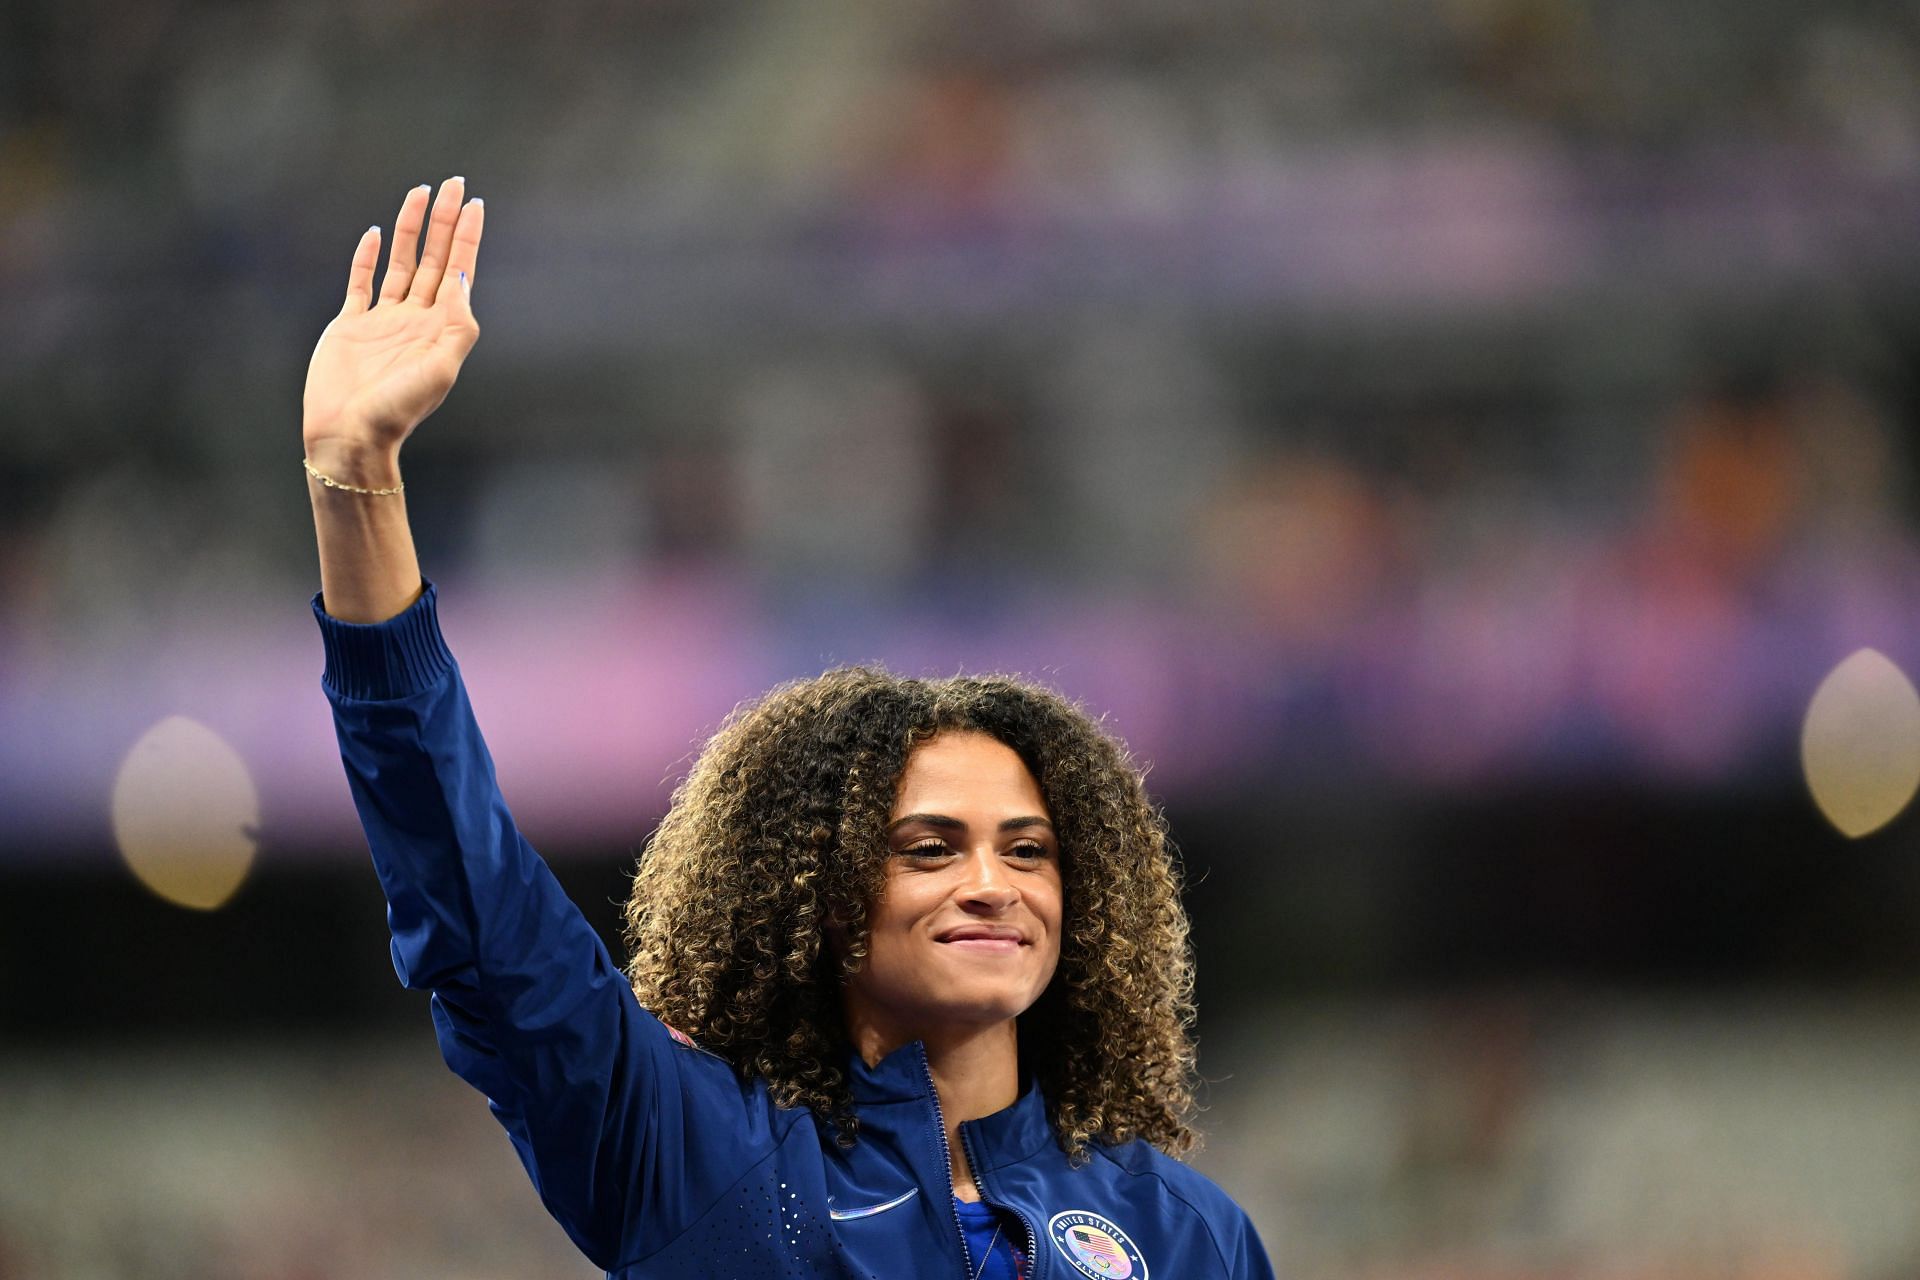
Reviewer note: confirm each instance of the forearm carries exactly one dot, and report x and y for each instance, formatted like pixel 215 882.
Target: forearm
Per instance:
pixel 368 569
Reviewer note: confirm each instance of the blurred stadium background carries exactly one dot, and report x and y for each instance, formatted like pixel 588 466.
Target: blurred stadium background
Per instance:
pixel 1452 442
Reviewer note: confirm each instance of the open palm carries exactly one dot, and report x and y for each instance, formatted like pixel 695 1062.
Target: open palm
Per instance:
pixel 383 365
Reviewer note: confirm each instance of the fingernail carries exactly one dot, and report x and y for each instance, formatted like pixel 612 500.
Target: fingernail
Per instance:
pixel 477 200
pixel 466 283
pixel 457 178
pixel 425 186
pixel 375 228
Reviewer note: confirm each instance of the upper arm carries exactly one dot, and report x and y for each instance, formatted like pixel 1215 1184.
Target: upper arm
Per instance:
pixel 1249 1261
pixel 626 1133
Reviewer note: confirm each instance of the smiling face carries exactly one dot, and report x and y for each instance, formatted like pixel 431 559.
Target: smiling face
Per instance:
pixel 966 931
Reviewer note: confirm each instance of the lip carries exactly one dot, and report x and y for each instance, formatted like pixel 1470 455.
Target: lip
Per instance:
pixel 985 937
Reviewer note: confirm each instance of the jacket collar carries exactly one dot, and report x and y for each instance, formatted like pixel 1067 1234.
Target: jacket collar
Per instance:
pixel 1007 1136
pixel 901 1076
pixel 1012 1134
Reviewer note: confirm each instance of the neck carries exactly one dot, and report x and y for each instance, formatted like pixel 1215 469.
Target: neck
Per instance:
pixel 976 1072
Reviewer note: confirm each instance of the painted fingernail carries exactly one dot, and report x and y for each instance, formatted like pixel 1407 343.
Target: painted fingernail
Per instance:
pixel 477 200
pixel 375 228
pixel 457 178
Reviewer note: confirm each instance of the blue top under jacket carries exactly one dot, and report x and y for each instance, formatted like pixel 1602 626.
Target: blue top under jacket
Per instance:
pixel 654 1155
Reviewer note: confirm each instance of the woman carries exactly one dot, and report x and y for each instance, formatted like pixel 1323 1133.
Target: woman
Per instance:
pixel 922 940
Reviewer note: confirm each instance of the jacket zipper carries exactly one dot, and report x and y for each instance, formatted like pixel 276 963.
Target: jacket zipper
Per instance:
pixel 946 1164
pixel 980 1177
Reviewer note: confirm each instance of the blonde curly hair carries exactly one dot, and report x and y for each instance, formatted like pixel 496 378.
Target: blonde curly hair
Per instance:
pixel 781 827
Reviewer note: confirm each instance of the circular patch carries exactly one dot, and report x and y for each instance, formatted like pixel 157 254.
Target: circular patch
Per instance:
pixel 1096 1247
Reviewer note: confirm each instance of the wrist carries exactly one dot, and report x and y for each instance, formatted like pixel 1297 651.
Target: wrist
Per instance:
pixel 366 466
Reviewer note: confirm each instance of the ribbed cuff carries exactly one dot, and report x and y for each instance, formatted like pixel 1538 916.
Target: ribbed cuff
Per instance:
pixel 379 661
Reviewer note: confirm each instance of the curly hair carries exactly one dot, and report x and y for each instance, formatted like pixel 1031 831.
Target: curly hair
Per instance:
pixel 781 828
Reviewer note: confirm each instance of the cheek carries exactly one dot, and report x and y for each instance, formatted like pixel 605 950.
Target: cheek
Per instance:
pixel 896 909
pixel 1050 903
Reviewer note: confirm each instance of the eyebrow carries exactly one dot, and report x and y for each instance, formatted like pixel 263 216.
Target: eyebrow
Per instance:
pixel 945 823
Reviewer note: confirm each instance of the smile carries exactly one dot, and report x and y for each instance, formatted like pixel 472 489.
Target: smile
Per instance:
pixel 989 938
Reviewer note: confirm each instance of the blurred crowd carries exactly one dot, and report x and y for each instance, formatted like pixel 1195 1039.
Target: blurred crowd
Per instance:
pixel 1511 380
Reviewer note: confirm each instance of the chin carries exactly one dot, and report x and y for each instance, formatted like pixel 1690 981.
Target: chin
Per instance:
pixel 983 1009
pixel 946 994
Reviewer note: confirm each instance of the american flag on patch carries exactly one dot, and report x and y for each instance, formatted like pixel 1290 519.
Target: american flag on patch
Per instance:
pixel 1100 1251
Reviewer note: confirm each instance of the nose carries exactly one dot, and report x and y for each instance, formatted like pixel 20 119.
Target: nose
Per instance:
pixel 987 888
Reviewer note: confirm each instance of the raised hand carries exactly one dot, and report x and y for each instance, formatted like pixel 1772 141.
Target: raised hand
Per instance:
pixel 383 365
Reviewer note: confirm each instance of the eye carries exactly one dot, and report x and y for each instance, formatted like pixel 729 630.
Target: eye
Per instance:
pixel 1029 851
pixel 930 848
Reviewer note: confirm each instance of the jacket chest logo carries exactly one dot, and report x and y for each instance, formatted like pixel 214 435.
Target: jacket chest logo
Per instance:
pixel 1095 1246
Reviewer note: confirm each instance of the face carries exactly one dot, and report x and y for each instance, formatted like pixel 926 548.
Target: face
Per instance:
pixel 966 932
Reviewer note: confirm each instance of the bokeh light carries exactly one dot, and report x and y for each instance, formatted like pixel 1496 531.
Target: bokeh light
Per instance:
pixel 1861 743
pixel 185 810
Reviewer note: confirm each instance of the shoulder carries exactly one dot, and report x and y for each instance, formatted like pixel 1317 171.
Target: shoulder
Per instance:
pixel 1182 1186
pixel 1143 1160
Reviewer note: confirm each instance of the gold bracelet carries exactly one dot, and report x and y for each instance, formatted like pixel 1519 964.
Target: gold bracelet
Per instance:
pixel 331 483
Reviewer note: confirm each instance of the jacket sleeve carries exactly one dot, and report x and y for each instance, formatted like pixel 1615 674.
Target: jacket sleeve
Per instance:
pixel 626 1132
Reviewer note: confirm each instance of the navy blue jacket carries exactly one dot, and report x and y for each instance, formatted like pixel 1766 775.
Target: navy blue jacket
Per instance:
pixel 653 1154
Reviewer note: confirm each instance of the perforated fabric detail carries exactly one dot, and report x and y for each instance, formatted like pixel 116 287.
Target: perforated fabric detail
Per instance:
pixel 762 1229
